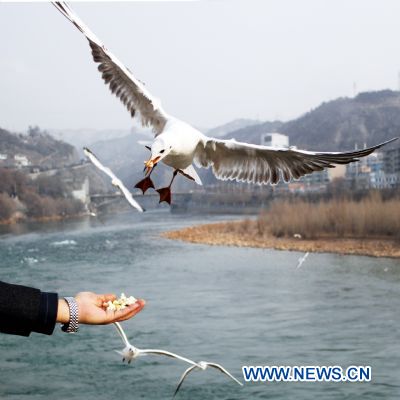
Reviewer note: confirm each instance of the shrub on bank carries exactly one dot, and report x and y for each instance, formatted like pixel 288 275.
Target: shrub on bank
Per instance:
pixel 369 217
pixel 7 206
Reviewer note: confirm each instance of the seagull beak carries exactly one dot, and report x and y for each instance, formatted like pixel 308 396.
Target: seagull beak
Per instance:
pixel 151 163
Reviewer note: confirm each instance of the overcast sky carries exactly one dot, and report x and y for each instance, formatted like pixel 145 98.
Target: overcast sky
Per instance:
pixel 209 61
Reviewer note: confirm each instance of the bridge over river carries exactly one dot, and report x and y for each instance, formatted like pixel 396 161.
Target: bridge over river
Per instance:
pixel 197 201
pixel 110 201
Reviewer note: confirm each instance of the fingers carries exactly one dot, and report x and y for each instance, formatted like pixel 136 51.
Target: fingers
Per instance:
pixel 128 312
pixel 108 297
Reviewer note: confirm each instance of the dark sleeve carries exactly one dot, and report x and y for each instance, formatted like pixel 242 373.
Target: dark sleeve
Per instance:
pixel 24 310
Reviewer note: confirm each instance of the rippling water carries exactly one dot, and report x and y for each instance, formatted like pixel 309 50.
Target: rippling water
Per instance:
pixel 236 306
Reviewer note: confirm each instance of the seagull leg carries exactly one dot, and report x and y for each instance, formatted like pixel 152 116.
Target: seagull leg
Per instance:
pixel 146 183
pixel 165 193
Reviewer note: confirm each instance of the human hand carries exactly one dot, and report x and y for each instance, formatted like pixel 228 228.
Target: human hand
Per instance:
pixel 91 310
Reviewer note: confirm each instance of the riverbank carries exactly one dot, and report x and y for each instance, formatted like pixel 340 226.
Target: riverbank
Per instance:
pixel 52 218
pixel 234 234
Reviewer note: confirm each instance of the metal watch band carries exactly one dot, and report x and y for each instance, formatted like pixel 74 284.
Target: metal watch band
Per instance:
pixel 72 326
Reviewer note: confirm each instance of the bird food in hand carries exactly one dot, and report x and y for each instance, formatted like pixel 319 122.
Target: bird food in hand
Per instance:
pixel 119 304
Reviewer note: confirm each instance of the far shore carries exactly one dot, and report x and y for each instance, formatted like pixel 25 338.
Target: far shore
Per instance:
pixel 52 218
pixel 230 234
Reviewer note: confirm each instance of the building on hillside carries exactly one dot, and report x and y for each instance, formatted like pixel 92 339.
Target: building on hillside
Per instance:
pixel 3 157
pixel 21 161
pixel 376 171
pixel 316 181
pixel 275 139
pixel 391 161
pixel 382 180
pixel 82 192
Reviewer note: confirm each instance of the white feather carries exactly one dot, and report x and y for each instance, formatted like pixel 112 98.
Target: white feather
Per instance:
pixel 114 180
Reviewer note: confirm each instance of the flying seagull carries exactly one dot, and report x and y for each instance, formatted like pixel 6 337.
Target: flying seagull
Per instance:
pixel 114 180
pixel 131 352
pixel 179 145
pixel 301 260
pixel 203 366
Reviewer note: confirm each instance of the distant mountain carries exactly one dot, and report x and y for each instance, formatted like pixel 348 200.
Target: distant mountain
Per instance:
pixel 123 155
pixel 252 134
pixel 342 124
pixel 338 125
pixel 234 125
pixel 38 147
pixel 86 137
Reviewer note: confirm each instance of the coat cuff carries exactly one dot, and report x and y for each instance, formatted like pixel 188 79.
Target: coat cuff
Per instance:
pixel 48 308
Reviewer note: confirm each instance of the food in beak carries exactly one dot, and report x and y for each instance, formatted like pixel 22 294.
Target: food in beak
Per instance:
pixel 149 164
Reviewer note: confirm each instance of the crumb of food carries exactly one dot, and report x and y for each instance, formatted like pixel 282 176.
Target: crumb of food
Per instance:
pixel 119 304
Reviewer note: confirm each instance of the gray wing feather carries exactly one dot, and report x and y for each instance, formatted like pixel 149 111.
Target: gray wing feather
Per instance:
pixel 190 369
pixel 121 333
pixel 224 371
pixel 120 80
pixel 243 162
pixel 116 181
pixel 166 353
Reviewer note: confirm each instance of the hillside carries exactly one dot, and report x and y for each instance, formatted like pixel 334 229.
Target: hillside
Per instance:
pixel 338 125
pixel 33 182
pixel 234 125
pixel 86 137
pixel 251 134
pixel 38 147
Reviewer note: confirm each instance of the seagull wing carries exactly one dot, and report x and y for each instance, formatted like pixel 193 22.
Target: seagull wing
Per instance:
pixel 120 80
pixel 90 155
pixel 128 196
pixel 122 334
pixel 168 354
pixel 243 162
pixel 116 181
pixel 223 370
pixel 184 375
pixel 302 259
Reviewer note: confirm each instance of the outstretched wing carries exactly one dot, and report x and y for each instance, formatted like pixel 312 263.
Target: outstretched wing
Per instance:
pixel 301 260
pixel 190 369
pixel 121 333
pixel 115 181
pixel 224 371
pixel 128 196
pixel 120 80
pixel 166 353
pixel 243 162
pixel 95 161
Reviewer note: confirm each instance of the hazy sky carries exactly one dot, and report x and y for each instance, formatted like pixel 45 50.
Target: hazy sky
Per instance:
pixel 208 61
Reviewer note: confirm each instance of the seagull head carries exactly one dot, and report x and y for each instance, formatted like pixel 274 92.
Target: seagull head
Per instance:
pixel 202 365
pixel 128 353
pixel 159 150
pixel 115 182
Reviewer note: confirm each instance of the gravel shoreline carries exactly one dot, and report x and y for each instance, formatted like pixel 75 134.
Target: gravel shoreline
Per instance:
pixel 231 234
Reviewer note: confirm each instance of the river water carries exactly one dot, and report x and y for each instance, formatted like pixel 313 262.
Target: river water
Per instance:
pixel 236 306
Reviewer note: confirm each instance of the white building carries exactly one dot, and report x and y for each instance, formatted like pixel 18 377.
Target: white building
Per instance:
pixel 3 156
pixel 21 160
pixel 82 194
pixel 275 139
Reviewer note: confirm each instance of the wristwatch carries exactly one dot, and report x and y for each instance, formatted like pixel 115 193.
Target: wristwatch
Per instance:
pixel 73 324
